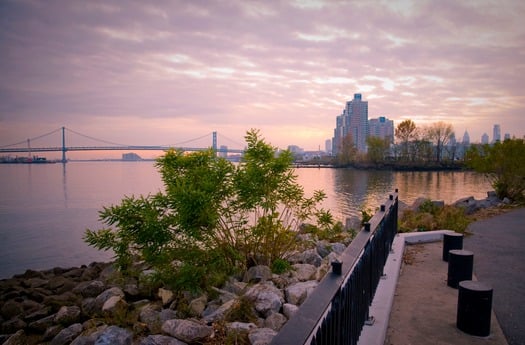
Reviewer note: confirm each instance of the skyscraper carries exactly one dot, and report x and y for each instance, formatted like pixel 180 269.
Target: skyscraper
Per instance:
pixel 382 128
pixel 485 138
pixel 354 122
pixel 496 134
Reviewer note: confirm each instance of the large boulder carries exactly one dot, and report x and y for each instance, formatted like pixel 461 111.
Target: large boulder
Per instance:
pixel 189 331
pixel 261 336
pixel 114 335
pixel 67 335
pixel 266 297
pixel 304 272
pixel 297 293
pixel 257 274
pixel 159 339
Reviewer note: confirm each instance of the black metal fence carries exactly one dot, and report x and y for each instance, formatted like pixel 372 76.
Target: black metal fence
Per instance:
pixel 337 310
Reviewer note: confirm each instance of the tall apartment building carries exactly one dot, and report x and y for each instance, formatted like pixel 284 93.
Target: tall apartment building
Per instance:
pixel 382 128
pixel 353 121
pixel 485 138
pixel 496 134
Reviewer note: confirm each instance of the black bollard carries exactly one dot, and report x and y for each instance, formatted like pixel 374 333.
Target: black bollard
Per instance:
pixel 460 266
pixel 450 242
pixel 474 308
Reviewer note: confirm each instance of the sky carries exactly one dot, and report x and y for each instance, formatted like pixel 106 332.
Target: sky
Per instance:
pixel 165 72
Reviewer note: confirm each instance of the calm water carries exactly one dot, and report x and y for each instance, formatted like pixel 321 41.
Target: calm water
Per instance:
pixel 45 209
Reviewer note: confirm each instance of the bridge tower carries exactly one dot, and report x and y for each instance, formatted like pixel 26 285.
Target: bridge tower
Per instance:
pixel 214 145
pixel 64 160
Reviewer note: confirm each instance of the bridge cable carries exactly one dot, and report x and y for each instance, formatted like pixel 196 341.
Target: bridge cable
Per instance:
pixel 190 140
pixel 233 141
pixel 31 139
pixel 96 139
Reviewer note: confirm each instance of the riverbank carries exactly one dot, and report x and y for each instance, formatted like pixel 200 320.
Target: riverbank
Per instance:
pixel 94 301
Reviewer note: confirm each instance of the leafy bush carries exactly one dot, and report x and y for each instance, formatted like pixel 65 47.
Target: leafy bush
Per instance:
pixel 214 218
pixel 429 217
pixel 504 165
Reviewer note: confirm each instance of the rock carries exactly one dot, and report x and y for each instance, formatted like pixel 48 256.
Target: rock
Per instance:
pixel 266 297
pixel 187 330
pixel 60 284
pixel 289 310
pixel 219 313
pixel 297 293
pixel 19 338
pixel 150 315
pixel 52 332
pixel 241 326
pixel 104 296
pixel 90 288
pixel 10 309
pixel 311 257
pixel 90 338
pixel 57 301
pixel 261 336
pixel 338 248
pixel 114 335
pixel 198 305
pixel 115 307
pixel 161 340
pixel 13 325
pixel 41 325
pixel 67 335
pixel 275 321
pixel 167 296
pixel 167 314
pixel 257 274
pixel 36 315
pixel 235 286
pixel 67 315
pixel 304 272
pixel 323 248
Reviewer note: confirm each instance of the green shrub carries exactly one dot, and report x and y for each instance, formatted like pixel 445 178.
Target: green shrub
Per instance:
pixel 214 218
pixel 431 217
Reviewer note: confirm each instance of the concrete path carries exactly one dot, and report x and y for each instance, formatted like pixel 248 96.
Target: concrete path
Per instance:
pixel 425 307
pixel 498 244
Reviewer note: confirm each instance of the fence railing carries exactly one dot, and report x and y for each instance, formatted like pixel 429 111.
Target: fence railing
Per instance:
pixel 337 310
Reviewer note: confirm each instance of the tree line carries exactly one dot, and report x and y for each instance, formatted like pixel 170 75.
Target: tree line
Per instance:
pixel 425 145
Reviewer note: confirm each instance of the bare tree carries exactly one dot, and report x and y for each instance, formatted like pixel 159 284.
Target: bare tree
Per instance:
pixel 439 133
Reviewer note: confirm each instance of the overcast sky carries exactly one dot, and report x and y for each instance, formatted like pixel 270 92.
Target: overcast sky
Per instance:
pixel 163 72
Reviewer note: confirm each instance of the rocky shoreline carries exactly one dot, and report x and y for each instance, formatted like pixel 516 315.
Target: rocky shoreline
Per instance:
pixel 94 304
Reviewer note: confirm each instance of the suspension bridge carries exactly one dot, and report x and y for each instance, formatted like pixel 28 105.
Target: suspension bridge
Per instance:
pixel 26 146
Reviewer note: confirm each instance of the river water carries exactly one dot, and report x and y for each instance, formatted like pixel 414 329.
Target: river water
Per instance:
pixel 45 208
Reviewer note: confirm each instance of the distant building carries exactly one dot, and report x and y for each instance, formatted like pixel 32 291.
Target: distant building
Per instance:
pixel 328 146
pixel 466 139
pixel 353 121
pixel 485 138
pixel 296 150
pixel 131 156
pixel 496 135
pixel 382 128
pixel 507 136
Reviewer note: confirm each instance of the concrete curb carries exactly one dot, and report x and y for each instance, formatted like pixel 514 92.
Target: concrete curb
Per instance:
pixel 375 334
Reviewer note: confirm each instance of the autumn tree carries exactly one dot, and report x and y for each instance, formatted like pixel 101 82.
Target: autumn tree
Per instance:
pixel 439 133
pixel 347 150
pixel 405 132
pixel 377 148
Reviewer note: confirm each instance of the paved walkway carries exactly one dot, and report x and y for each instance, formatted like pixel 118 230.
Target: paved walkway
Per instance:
pixel 424 308
pixel 498 244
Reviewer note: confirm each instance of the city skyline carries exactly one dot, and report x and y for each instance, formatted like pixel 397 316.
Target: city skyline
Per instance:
pixel 164 72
